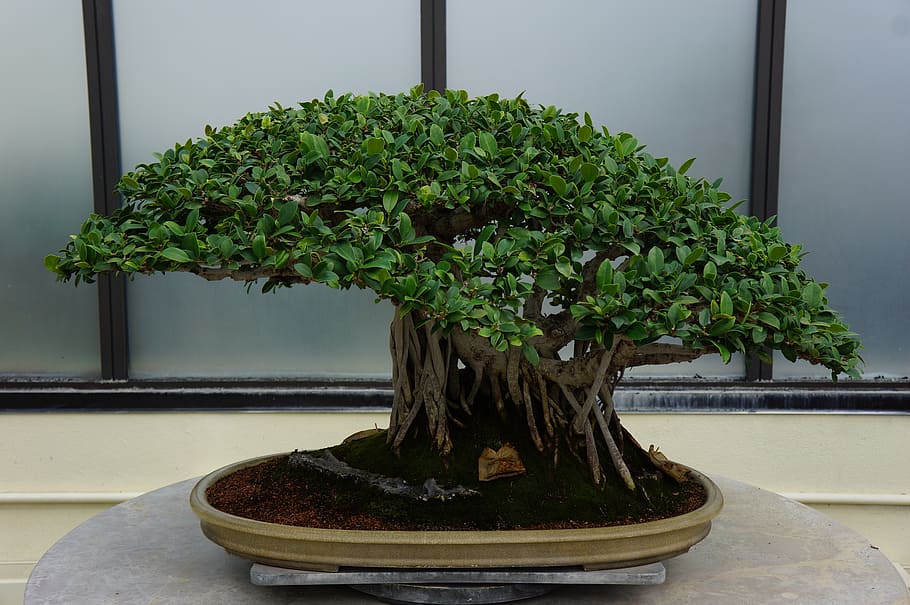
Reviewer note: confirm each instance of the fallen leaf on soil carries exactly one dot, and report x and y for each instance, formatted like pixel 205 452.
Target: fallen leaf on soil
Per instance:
pixel 362 435
pixel 677 471
pixel 504 462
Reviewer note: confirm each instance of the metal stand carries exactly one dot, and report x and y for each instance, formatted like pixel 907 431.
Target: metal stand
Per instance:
pixel 455 586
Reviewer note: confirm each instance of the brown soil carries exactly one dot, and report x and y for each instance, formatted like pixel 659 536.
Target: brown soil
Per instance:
pixel 274 492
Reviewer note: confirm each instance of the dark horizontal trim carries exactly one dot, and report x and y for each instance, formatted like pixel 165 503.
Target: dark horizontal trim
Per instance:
pixel 196 396
pixel 331 395
pixel 781 397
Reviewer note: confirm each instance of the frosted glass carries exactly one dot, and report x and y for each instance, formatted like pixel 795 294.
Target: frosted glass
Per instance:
pixel 678 75
pixel 45 168
pixel 181 65
pixel 843 179
pixel 218 330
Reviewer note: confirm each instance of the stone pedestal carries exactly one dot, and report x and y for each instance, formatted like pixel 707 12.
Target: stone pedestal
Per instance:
pixel 457 586
pixel 763 550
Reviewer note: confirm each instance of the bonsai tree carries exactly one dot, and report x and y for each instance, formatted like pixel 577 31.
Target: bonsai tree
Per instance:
pixel 531 258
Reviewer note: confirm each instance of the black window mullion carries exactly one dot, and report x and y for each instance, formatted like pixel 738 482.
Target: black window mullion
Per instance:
pixel 104 126
pixel 769 75
pixel 433 44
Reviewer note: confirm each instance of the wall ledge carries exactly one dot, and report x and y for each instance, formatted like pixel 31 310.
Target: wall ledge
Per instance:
pixel 848 499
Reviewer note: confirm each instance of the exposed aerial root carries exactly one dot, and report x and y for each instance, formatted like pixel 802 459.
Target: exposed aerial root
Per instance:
pixel 563 402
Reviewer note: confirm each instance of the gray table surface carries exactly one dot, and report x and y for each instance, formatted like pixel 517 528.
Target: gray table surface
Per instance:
pixel 763 549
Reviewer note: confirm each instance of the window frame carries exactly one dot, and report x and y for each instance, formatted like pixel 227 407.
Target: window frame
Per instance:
pixel 116 391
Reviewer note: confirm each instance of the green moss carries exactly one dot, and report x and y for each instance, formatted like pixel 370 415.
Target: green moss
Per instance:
pixel 549 494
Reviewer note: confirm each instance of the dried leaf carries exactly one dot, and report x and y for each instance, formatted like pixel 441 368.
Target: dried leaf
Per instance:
pixel 504 462
pixel 362 435
pixel 677 471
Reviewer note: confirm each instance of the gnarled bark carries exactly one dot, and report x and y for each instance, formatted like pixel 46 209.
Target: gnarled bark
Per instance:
pixel 437 378
pixel 566 402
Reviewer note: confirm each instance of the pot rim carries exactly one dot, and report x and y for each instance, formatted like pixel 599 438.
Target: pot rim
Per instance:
pixel 209 514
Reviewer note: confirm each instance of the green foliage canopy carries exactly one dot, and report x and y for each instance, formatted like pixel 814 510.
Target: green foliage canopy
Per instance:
pixel 470 211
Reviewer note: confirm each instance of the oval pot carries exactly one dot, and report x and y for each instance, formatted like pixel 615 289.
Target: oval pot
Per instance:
pixel 328 549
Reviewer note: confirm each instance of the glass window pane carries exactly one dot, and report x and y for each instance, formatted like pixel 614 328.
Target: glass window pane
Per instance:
pixel 181 65
pixel 678 75
pixel 45 168
pixel 844 146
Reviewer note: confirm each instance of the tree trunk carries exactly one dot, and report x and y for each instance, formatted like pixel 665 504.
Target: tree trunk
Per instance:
pixel 440 380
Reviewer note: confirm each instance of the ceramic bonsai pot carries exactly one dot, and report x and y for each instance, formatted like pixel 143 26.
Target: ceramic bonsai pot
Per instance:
pixel 327 549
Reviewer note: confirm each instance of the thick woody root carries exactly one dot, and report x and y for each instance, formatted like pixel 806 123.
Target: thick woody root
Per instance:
pixel 420 375
pixel 560 402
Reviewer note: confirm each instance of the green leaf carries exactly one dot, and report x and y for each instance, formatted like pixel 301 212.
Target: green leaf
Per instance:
pixel 190 244
pixel 226 247
pixel 374 145
pixel 383 260
pixel 722 326
pixel 345 251
pixel 436 135
pixel 585 133
pixel 397 169
pixel 682 251
pixel 483 236
pixel 631 245
pixel 487 250
pixel 637 332
pixel 725 354
pixel 586 332
pixel 405 229
pixel 710 271
pixel 726 304
pixel 656 260
pixel 51 261
pixel 488 144
pixel 681 182
pixel 604 276
pixel 694 256
pixel 547 279
pixel 530 354
pixel 259 247
pixel 303 270
pixel 389 200
pixel 769 319
pixel 589 171
pixel 129 181
pixel 320 146
pixel 176 255
pixel 558 184
pixel 191 220
pixel 287 213
pixel 685 166
pixel 515 132
pixel 468 141
pixel 674 314
pixel 776 253
pixel 564 267
pixel 812 294
pixel 174 228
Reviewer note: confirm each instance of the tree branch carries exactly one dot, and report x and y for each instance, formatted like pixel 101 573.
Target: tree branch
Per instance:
pixel 248 274
pixel 663 353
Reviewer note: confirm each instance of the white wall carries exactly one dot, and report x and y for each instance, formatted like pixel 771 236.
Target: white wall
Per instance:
pixel 58 469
